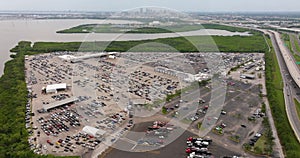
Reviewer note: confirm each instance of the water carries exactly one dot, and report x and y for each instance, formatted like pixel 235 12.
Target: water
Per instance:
pixel 13 31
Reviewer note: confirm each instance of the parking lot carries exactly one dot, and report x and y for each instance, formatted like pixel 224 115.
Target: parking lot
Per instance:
pixel 240 118
pixel 174 149
pixel 105 92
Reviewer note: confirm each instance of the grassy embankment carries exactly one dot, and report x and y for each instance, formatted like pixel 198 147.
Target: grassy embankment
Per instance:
pixel 297 107
pixel 13 98
pixel 288 44
pixel 109 28
pixel 276 99
pixel 297 46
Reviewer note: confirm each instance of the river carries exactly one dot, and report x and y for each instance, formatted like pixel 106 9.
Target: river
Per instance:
pixel 13 31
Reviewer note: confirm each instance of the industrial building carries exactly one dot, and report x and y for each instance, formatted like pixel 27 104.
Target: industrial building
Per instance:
pixel 50 106
pixel 55 87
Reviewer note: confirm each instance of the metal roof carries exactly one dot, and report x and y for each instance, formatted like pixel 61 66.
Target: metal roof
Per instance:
pixel 93 131
pixel 59 103
pixel 54 87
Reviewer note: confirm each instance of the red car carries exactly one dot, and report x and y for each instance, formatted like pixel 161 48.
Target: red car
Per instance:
pixel 49 142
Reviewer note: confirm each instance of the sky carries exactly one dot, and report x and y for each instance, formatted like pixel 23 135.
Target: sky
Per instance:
pixel 181 5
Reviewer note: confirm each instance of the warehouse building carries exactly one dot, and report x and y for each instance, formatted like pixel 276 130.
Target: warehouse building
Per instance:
pixel 50 106
pixel 54 88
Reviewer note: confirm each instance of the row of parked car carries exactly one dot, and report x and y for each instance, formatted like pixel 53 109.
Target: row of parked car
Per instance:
pixel 28 114
pixel 53 72
pixel 254 139
pixel 159 129
pixel 60 96
pixel 198 148
pixel 59 122
pixel 147 85
pixel 71 143
pixel 112 121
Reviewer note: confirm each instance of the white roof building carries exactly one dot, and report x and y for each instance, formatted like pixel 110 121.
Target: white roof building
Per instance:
pixel 55 87
pixel 93 131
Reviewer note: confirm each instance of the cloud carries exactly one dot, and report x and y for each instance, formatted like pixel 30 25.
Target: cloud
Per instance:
pixel 119 5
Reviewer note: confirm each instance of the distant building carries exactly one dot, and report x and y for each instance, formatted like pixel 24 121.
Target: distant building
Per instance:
pixel 154 23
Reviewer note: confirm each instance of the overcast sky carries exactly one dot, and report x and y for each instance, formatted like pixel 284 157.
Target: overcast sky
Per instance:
pixel 181 5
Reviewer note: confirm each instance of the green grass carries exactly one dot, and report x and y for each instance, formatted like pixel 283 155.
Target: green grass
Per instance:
pixel 296 57
pixel 199 125
pixel 108 28
pixel 235 138
pixel 149 30
pixel 125 28
pixel 261 145
pixel 227 28
pixel 164 110
pixel 297 104
pixel 264 145
pixel 274 85
pixel 297 46
pixel 251 44
pixel 288 43
pixel 184 28
pixel 221 133
pixel 88 28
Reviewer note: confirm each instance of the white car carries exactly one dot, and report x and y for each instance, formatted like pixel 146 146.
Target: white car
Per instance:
pixel 161 137
pixel 258 135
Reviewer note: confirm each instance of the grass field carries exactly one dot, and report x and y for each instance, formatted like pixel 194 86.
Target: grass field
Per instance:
pixel 88 28
pixel 110 28
pixel 251 44
pixel 260 145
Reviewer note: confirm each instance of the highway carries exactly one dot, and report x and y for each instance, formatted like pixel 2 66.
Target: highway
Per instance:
pixel 290 75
